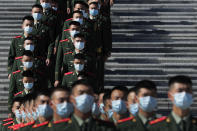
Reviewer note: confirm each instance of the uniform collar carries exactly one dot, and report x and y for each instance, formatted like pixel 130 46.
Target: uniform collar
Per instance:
pixel 81 121
pixel 144 119
pixel 178 118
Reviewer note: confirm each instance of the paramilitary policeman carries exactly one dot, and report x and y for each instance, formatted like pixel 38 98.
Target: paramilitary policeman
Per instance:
pixel 82 98
pixel 62 108
pixel 16 47
pixel 180 119
pixel 146 92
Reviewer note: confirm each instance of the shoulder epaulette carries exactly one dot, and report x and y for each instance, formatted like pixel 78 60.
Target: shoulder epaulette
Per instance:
pixel 18 93
pixel 68 19
pixel 68 73
pixel 39 125
pixel 20 57
pixel 63 40
pixel 28 124
pixel 18 37
pixel 68 53
pixel 16 72
pixel 8 119
pixel 8 123
pixel 66 29
pixel 16 127
pixel 63 120
pixel 125 119
pixel 158 120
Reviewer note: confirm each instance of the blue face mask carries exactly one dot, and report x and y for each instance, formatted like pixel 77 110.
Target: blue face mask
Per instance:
pixel 28 29
pixel 35 115
pixel 110 113
pixel 46 5
pixel 79 67
pixel 37 16
pixel 119 106
pixel 64 109
pixel 80 20
pixel 27 64
pixel 95 110
pixel 28 86
pixel 93 12
pixel 133 109
pixel 183 100
pixel 23 115
pixel 73 33
pixel 84 103
pixel 18 114
pixel 45 111
pixel 29 47
pixel 148 103
pixel 29 115
pixel 101 108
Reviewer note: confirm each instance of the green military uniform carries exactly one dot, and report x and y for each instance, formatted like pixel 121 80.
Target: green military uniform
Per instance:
pixel 45 126
pixel 174 123
pixel 138 123
pixel 60 125
pixel 90 124
pixel 5 123
pixel 9 125
pixel 27 126
pixel 16 84
pixel 16 50
pixel 64 47
pixel 100 40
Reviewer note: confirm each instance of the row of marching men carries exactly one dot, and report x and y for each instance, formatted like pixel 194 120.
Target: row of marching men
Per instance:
pixel 117 109
pixel 58 47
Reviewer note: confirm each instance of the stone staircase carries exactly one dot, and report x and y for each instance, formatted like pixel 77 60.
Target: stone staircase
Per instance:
pixel 11 14
pixel 153 39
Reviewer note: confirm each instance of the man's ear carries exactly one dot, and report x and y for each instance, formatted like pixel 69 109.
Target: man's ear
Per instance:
pixel 170 97
pixel 72 99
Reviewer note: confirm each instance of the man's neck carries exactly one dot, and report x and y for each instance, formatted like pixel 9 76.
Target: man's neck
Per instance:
pixel 77 51
pixel 56 117
pixel 146 114
pixel 82 115
pixel 92 17
pixel 181 113
pixel 26 35
pixel 42 119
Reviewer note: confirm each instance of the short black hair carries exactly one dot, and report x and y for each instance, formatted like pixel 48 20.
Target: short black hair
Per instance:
pixel 27 73
pixel 79 56
pixel 79 2
pixel 79 35
pixel 132 90
pixel 45 92
pixel 29 38
pixel 37 6
pixel 95 3
pixel 180 79
pixel 121 88
pixel 147 84
pixel 28 17
pixel 74 23
pixel 86 5
pixel 107 96
pixel 17 99
pixel 59 89
pixel 77 11
pixel 82 82
pixel 28 53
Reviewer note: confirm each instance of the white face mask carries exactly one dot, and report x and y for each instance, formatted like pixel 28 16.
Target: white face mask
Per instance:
pixel 28 29
pixel 46 5
pixel 28 86
pixel 183 100
pixel 37 16
pixel 29 47
pixel 28 64
pixel 148 103
pixel 79 45
pixel 80 20
pixel 54 8
pixel 79 67
pixel 84 103
pixel 119 106
pixel 73 33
